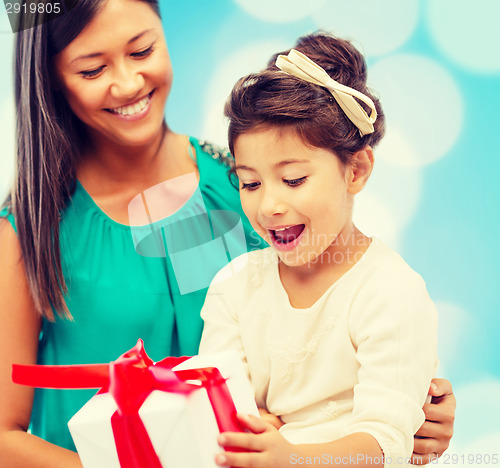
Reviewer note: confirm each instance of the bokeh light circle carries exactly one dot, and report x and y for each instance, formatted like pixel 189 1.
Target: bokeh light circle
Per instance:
pixel 422 102
pixel 245 60
pixel 373 217
pixel 478 407
pixel 280 11
pixel 380 27
pixel 7 111
pixel 7 137
pixel 454 323
pixel 467 33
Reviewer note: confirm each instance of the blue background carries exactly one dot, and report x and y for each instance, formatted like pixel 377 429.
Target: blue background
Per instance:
pixel 434 192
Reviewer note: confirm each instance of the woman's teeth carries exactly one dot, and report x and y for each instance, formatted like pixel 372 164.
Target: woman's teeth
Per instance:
pixel 133 109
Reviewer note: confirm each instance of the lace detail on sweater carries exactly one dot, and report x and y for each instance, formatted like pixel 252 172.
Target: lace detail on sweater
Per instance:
pixel 331 409
pixel 219 153
pixel 285 353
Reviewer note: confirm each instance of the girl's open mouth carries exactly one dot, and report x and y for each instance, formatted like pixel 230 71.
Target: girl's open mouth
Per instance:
pixel 287 238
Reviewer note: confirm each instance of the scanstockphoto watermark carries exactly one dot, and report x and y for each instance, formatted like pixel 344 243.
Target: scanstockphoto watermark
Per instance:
pixel 362 459
pixel 354 459
pixel 328 256
pixel 333 250
pixel 26 14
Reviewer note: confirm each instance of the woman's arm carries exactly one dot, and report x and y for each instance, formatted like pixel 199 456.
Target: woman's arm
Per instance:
pixel 19 332
pixel 434 436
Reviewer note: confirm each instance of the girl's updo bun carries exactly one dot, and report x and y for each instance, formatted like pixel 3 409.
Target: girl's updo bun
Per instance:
pixel 272 98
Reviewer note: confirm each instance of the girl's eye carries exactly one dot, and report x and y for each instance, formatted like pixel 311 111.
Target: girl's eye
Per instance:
pixel 92 73
pixel 143 53
pixel 251 186
pixel 295 182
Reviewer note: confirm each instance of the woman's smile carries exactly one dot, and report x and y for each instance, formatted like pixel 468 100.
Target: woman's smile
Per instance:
pixel 134 111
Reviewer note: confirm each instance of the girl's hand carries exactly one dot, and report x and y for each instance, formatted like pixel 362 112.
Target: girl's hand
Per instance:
pixel 265 447
pixel 433 437
pixel 270 418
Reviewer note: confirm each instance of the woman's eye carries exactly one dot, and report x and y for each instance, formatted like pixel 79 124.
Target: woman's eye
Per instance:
pixel 295 182
pixel 143 53
pixel 251 186
pixel 92 73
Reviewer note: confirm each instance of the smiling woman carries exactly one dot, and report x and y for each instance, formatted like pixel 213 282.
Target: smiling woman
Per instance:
pixel 91 88
pixel 116 75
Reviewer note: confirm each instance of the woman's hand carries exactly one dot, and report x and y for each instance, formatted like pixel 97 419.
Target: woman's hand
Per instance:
pixel 263 447
pixel 434 436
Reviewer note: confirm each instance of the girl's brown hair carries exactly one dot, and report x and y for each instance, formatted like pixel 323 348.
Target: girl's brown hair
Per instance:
pixel 273 99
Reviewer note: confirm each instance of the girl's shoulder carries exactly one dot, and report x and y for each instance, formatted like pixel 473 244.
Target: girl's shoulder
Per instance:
pixel 248 271
pixel 388 261
pixel 382 271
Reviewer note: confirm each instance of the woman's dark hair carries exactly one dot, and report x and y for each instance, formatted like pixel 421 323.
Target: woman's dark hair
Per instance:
pixel 273 99
pixel 50 140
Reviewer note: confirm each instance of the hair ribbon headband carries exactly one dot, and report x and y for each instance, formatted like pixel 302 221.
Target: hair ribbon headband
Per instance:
pixel 299 65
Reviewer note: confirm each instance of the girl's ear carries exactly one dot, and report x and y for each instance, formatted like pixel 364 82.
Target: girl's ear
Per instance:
pixel 360 169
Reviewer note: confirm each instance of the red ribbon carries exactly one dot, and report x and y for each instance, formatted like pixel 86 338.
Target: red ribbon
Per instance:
pixel 130 379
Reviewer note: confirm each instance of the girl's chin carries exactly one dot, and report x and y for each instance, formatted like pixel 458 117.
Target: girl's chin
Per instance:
pixel 291 259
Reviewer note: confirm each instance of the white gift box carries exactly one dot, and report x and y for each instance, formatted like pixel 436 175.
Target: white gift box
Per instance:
pixel 182 429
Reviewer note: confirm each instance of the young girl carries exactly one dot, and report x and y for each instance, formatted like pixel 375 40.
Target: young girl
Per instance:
pixel 338 333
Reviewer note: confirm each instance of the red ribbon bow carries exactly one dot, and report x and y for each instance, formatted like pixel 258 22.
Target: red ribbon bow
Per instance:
pixel 130 379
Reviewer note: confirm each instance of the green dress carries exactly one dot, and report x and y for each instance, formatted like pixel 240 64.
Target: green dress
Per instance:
pixel 147 282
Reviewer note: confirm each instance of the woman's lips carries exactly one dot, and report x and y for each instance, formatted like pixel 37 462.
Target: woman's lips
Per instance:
pixel 134 111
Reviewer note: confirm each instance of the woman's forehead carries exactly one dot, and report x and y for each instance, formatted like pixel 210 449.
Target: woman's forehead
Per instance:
pixel 117 23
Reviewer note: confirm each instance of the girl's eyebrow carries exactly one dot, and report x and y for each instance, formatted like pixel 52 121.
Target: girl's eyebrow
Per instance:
pixel 291 161
pixel 277 165
pixel 244 168
pixel 99 54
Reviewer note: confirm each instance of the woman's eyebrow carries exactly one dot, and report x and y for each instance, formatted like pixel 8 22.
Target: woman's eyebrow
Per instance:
pixel 99 54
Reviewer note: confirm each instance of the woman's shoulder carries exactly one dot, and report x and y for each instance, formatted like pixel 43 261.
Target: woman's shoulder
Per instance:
pixel 7 213
pixel 218 155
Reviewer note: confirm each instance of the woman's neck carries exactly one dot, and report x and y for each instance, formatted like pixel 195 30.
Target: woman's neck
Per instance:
pixel 115 163
pixel 111 168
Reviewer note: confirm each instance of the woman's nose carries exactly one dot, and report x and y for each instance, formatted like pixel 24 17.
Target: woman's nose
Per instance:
pixel 127 83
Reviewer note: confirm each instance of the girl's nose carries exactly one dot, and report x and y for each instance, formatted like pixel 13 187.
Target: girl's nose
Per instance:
pixel 127 83
pixel 271 203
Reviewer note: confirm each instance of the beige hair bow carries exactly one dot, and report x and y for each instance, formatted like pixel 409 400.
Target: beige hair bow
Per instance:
pixel 301 66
